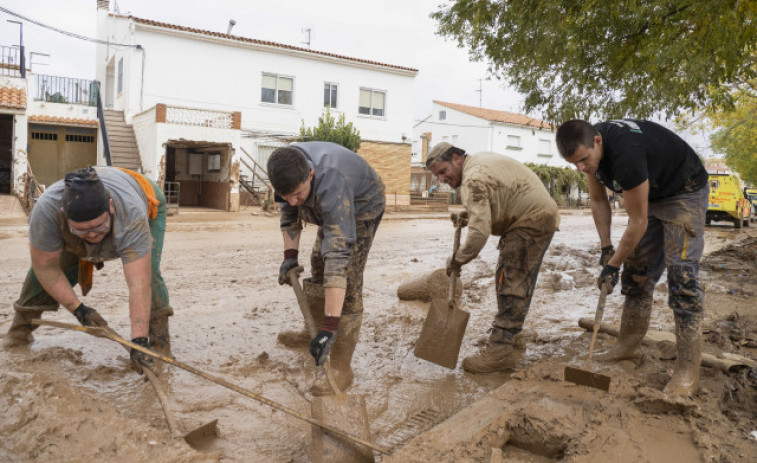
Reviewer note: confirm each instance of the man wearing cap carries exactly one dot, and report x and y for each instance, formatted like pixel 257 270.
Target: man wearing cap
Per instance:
pixel 328 185
pixel 665 191
pixel 94 215
pixel 503 198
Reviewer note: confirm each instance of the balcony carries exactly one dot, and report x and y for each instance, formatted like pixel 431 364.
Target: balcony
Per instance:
pixel 66 90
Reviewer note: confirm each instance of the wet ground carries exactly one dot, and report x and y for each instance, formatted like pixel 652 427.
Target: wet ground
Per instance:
pixel 72 397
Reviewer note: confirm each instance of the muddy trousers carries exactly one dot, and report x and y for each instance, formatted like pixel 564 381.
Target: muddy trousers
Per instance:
pixel 365 232
pixel 520 256
pixel 34 300
pixel 674 240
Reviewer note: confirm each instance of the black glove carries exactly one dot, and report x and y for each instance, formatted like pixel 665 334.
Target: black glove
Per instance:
pixel 321 345
pixel 453 266
pixel 88 316
pixel 290 262
pixel 140 358
pixel 609 276
pixel 607 253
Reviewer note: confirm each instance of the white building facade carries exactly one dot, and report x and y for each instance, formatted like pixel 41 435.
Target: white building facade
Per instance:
pixel 188 91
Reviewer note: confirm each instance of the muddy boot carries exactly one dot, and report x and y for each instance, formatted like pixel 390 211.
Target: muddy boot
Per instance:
pixel 316 301
pixel 20 331
pixel 634 322
pixel 685 379
pixel 341 355
pixel 494 356
pixel 160 339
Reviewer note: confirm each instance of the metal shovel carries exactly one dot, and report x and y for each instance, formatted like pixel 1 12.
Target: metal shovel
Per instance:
pixel 444 328
pixel 588 377
pixel 340 410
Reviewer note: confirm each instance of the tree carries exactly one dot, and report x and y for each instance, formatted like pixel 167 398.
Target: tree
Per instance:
pixel 737 137
pixel 336 131
pixel 584 58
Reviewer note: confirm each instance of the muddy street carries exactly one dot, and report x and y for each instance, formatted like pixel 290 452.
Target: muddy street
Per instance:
pixel 72 397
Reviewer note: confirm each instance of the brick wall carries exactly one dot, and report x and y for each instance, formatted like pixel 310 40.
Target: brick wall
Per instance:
pixel 392 162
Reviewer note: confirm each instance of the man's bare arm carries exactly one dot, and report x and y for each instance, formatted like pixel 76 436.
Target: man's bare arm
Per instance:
pixel 138 275
pixel 600 209
pixel 636 201
pixel 47 269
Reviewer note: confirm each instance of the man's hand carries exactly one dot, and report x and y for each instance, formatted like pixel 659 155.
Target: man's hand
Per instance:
pixel 607 253
pixel 290 262
pixel 140 358
pixel 88 316
pixel 453 266
pixel 321 345
pixel 609 277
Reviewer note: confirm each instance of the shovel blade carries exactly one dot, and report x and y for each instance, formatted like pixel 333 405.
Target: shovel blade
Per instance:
pixel 442 334
pixel 587 378
pixel 201 438
pixel 347 413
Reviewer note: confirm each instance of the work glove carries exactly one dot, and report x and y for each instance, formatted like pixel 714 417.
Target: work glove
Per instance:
pixel 140 358
pixel 607 253
pixel 88 316
pixel 290 262
pixel 453 266
pixel 609 276
pixel 322 342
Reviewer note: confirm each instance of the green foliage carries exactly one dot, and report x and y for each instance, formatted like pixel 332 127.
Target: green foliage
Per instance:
pixel 737 137
pixel 556 179
pixel 335 131
pixel 584 59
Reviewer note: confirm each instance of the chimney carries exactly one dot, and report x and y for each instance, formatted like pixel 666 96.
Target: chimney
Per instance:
pixel 232 23
pixel 425 140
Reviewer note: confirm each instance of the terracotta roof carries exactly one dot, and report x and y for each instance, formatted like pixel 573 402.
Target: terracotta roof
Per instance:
pixel 63 120
pixel 150 22
pixel 12 98
pixel 497 116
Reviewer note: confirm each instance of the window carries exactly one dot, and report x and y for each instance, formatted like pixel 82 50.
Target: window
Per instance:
pixel 545 148
pixel 513 142
pixel 44 136
pixel 120 75
pixel 372 102
pixel 442 115
pixel 277 89
pixel 80 138
pixel 214 162
pixel 329 95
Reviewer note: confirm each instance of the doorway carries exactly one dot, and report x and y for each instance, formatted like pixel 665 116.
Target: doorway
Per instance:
pixel 6 152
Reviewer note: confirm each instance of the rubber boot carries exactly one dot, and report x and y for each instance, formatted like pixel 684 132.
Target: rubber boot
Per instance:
pixel 316 301
pixel 20 331
pixel 634 322
pixel 341 355
pixel 685 380
pixel 159 337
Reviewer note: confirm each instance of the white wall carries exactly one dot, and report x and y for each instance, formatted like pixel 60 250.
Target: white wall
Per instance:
pixel 474 134
pixel 216 73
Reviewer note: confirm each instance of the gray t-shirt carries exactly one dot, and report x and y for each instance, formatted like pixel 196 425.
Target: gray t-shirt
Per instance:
pixel 129 238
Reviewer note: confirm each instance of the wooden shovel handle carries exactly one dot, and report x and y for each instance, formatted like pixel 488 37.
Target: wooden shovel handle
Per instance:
pixel 459 220
pixel 302 301
pixel 597 320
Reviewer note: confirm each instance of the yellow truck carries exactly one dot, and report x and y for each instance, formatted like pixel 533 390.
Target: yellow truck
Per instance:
pixel 728 201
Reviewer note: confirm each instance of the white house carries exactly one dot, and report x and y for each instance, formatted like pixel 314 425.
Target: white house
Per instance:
pixel 479 129
pixel 204 105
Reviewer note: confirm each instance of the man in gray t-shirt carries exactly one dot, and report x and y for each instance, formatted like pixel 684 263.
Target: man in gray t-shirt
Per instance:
pixel 330 186
pixel 94 215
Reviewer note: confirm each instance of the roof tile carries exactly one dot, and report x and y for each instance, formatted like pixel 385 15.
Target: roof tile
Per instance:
pixel 12 98
pixel 63 121
pixel 498 116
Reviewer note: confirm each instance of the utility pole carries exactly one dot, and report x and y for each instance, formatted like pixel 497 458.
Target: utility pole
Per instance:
pixel 307 31
pixel 480 93
pixel 22 60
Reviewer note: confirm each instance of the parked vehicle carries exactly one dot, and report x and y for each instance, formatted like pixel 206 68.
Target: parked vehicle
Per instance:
pixel 751 194
pixel 728 201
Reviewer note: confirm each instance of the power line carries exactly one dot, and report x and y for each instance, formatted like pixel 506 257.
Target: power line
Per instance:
pixel 60 31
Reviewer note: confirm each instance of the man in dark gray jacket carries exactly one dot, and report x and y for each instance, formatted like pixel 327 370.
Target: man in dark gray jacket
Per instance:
pixel 330 186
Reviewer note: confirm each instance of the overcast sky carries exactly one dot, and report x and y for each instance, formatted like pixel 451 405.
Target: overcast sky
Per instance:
pixel 396 32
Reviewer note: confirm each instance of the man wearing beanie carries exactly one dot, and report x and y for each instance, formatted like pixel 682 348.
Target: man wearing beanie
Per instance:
pixel 94 215
pixel 328 185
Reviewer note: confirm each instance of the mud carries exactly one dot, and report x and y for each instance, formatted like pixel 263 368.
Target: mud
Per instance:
pixel 71 397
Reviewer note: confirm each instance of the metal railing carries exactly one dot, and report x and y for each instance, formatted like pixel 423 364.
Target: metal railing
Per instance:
pixel 198 117
pixel 12 61
pixel 103 127
pixel 54 89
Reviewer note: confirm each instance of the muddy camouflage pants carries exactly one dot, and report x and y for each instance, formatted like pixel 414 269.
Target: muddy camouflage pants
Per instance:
pixel 520 256
pixel 365 232
pixel 674 240
pixel 34 298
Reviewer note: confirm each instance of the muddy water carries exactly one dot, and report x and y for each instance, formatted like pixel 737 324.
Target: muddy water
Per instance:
pixel 74 395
